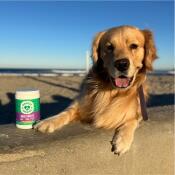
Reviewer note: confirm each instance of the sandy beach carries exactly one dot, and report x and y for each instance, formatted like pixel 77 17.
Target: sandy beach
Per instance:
pixel 79 149
pixel 58 92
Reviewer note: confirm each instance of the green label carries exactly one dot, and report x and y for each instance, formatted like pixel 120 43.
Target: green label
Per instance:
pixel 27 106
pixel 25 123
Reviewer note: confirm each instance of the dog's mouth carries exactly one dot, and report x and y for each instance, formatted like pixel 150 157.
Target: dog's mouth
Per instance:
pixel 122 81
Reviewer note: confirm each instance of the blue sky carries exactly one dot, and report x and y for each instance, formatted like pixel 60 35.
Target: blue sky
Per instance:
pixel 57 34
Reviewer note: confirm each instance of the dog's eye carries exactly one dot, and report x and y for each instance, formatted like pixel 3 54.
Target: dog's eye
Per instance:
pixel 110 48
pixel 133 46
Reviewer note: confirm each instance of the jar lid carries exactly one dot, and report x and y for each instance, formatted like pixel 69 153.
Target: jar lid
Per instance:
pixel 27 93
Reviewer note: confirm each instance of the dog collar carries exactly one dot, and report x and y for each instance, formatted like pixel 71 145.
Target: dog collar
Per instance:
pixel 142 103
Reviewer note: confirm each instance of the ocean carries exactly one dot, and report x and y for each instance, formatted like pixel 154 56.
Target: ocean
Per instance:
pixel 58 72
pixel 40 72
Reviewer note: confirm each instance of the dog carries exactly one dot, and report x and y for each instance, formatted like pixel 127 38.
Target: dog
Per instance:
pixel 109 97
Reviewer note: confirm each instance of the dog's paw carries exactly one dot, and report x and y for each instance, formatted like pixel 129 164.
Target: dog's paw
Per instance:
pixel 45 126
pixel 121 145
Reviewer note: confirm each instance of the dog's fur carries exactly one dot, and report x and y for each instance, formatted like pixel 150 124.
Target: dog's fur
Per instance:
pixel 100 102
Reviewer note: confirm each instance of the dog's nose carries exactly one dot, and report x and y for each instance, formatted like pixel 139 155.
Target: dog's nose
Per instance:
pixel 122 64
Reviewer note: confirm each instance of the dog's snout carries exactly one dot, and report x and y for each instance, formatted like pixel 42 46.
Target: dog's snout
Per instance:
pixel 122 64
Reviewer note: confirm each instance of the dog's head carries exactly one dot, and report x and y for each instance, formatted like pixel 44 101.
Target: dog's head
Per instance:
pixel 124 51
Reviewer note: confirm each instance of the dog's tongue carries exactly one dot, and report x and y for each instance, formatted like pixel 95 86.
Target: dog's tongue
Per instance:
pixel 122 82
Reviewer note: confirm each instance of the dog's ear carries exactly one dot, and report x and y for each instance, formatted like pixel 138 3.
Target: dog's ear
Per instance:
pixel 95 46
pixel 150 50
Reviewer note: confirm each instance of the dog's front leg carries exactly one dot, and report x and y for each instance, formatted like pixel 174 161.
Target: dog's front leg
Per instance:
pixel 58 121
pixel 123 137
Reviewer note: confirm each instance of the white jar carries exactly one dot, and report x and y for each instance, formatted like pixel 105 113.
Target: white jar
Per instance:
pixel 27 107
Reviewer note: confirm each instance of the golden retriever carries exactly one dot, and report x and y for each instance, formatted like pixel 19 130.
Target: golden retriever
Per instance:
pixel 109 97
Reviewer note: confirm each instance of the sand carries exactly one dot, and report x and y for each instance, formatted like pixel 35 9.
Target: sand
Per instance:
pixel 80 149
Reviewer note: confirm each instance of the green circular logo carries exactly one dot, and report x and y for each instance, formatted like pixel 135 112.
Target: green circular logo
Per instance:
pixel 27 107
